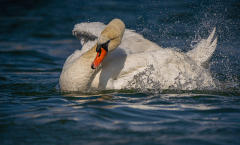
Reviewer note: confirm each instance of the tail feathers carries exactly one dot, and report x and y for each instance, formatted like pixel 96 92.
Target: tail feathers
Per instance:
pixel 88 31
pixel 204 49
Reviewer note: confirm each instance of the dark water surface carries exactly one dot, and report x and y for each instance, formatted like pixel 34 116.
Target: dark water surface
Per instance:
pixel 36 39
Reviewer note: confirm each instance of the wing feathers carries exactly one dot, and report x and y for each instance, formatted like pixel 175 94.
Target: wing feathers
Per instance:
pixel 88 31
pixel 204 49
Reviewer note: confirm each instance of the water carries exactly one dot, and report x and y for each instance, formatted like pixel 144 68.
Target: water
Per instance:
pixel 35 40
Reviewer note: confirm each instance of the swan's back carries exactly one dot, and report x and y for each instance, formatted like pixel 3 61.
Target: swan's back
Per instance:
pixel 165 69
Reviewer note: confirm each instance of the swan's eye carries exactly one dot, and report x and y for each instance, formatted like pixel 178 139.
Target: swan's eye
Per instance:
pixel 102 46
pixel 99 53
pixel 98 49
pixel 105 46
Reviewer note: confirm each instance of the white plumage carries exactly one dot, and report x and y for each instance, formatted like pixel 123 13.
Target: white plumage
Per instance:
pixel 135 63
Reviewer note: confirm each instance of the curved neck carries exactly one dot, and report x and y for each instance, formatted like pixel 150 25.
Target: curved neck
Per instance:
pixel 79 76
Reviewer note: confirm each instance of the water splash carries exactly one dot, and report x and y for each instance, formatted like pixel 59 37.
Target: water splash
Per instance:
pixel 146 83
pixel 143 82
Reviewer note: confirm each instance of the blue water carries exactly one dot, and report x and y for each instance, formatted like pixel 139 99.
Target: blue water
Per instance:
pixel 36 39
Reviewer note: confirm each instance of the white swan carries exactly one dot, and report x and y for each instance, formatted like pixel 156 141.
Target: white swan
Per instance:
pixel 115 58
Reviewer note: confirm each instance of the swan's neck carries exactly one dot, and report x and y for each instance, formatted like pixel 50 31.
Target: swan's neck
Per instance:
pixel 79 76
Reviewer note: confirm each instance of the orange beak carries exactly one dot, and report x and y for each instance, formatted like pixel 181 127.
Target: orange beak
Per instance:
pixel 99 58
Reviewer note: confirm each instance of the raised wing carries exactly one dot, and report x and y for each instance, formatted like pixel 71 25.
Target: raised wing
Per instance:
pixel 88 31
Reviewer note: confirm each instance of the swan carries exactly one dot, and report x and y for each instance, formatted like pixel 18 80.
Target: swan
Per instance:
pixel 113 57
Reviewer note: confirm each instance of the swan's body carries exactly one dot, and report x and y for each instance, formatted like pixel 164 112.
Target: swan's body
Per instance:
pixel 134 62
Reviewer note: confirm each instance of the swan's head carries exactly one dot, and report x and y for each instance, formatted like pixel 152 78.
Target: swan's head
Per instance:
pixel 110 39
